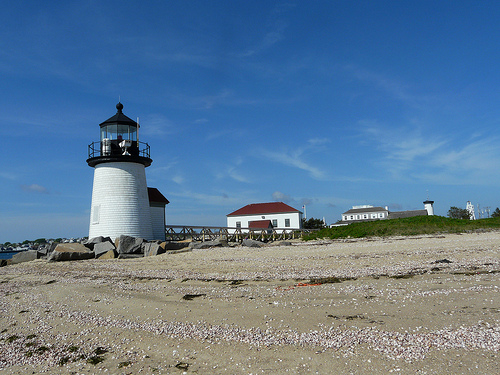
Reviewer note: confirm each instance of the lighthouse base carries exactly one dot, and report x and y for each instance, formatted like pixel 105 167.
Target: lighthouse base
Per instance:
pixel 120 203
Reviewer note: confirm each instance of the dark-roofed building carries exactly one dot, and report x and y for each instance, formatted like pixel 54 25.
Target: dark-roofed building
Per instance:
pixel 256 215
pixel 368 213
pixel 364 213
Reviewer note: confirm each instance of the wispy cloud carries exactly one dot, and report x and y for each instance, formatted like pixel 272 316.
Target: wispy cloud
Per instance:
pixel 269 40
pixel 295 158
pixel 415 154
pixel 282 197
pixel 35 188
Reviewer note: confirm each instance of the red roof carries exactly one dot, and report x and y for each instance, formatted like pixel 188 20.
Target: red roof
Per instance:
pixel 155 196
pixel 263 208
pixel 260 224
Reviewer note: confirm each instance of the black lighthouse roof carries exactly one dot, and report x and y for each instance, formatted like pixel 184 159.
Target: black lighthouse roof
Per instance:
pixel 119 118
pixel 119 142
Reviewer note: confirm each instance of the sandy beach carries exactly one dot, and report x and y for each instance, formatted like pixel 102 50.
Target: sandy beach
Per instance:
pixel 420 305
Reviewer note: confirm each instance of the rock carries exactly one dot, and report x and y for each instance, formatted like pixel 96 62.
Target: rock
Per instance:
pixel 208 244
pixel 70 251
pixel 5 262
pixel 130 256
pixel 285 243
pixel 251 243
pixel 152 249
pixel 442 261
pixel 175 245
pixel 102 248
pixel 111 254
pixel 25 256
pixel 129 245
pixel 90 243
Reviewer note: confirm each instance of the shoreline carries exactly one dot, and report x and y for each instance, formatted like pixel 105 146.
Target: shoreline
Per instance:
pixel 426 304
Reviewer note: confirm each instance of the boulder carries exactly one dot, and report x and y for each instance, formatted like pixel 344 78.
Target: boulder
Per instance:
pixel 5 262
pixel 70 251
pixel 111 254
pixel 208 244
pixel 129 245
pixel 152 249
pixel 101 248
pixel 172 245
pixel 91 242
pixel 25 256
pixel 251 243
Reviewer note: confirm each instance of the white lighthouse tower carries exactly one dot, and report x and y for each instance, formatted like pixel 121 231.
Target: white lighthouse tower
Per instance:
pixel 120 203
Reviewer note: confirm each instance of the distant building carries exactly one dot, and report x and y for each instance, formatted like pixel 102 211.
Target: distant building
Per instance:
pixel 265 216
pixel 369 213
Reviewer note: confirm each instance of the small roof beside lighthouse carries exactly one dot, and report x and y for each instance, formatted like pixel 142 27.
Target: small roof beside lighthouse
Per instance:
pixel 119 118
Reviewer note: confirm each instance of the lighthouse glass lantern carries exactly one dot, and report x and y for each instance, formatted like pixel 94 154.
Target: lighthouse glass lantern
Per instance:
pixel 120 203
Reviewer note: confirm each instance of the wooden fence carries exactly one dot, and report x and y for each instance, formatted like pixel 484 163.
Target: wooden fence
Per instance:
pixel 201 233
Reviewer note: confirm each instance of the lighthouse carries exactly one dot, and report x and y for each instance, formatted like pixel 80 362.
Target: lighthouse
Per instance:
pixel 120 203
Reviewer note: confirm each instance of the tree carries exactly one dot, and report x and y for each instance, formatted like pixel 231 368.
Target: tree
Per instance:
pixel 312 223
pixel 458 213
pixel 496 213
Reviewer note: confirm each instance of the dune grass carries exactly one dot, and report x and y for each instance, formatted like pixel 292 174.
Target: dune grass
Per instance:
pixel 406 227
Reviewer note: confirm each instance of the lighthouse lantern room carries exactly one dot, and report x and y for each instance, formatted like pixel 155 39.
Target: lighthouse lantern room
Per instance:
pixel 120 203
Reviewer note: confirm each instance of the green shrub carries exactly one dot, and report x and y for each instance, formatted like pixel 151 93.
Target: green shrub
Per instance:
pixel 410 226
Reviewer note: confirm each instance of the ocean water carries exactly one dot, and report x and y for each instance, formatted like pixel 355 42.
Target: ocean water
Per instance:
pixel 7 254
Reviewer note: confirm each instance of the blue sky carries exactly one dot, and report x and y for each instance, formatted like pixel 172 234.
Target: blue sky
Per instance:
pixel 325 103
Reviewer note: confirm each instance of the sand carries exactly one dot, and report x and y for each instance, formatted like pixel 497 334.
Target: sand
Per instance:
pixel 421 305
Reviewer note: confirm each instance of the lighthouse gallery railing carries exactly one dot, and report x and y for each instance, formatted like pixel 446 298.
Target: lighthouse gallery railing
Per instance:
pixel 95 149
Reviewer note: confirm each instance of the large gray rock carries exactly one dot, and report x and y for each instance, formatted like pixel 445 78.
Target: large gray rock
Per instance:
pixel 172 245
pixel 25 256
pixel 101 248
pixel 153 248
pixel 70 251
pixel 91 242
pixel 208 244
pixel 129 245
pixel 251 243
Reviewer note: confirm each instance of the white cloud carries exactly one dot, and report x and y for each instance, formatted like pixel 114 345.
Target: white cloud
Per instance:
pixel 282 197
pixel 294 159
pixel 35 188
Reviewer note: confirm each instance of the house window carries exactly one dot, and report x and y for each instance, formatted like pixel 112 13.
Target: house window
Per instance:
pixel 287 223
pixel 238 224
pixel 381 215
pixel 275 223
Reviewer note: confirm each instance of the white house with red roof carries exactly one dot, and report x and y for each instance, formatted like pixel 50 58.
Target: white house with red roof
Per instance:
pixel 273 215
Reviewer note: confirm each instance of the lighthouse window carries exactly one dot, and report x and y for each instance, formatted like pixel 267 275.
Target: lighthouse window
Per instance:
pixel 123 132
pixel 96 213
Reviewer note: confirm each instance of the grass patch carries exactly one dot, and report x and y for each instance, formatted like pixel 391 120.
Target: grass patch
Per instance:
pixel 411 226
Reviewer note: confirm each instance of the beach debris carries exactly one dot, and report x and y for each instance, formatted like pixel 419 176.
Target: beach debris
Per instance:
pixel 190 297
pixel 442 261
pixel 182 365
